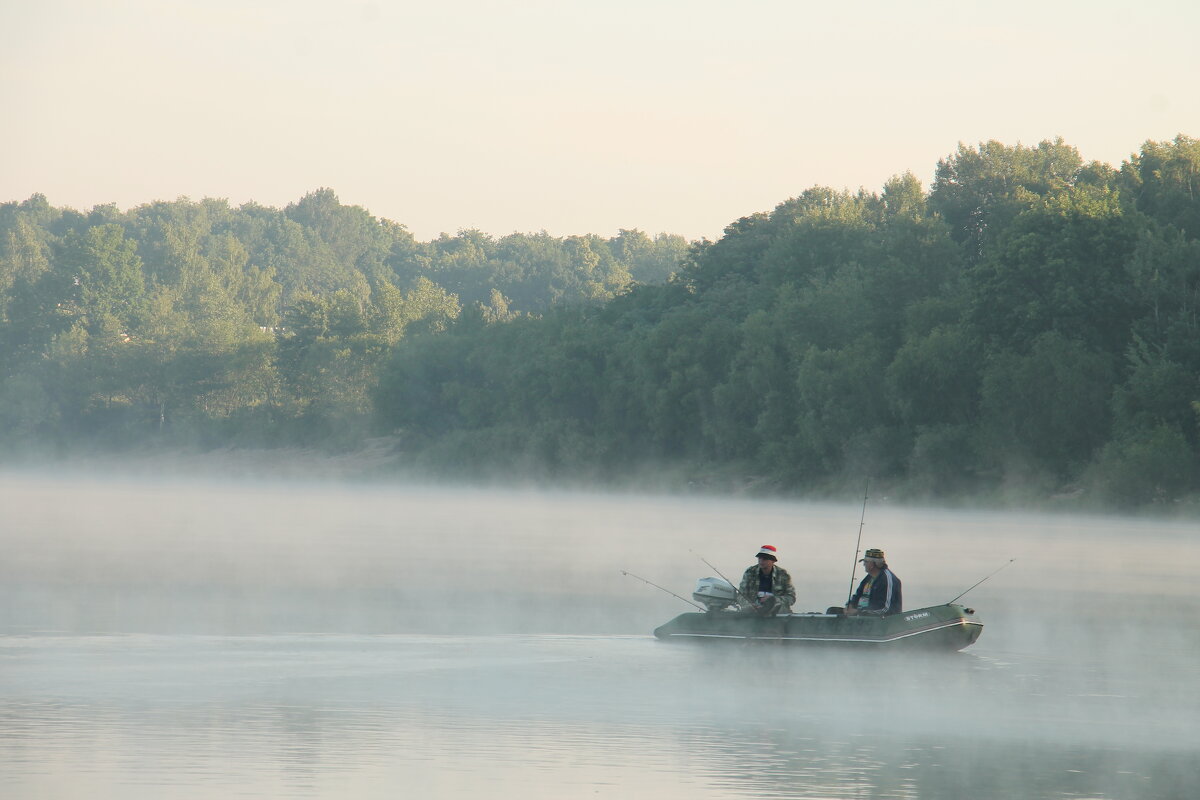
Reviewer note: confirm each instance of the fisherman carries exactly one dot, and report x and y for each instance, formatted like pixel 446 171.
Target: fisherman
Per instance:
pixel 766 587
pixel 879 592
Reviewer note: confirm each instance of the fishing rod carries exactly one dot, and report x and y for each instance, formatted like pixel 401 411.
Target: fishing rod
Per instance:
pixel 1002 567
pixel 668 591
pixel 736 587
pixel 858 544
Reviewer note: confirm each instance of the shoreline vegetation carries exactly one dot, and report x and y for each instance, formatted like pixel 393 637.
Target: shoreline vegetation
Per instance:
pixel 1025 332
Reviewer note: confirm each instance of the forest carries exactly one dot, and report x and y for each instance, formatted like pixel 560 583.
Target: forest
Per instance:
pixel 1027 327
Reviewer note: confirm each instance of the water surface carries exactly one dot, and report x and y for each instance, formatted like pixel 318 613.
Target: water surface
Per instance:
pixel 188 639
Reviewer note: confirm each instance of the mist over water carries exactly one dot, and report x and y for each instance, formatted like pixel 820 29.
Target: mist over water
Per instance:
pixel 203 638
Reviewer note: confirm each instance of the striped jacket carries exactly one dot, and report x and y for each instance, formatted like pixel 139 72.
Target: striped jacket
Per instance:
pixel 882 594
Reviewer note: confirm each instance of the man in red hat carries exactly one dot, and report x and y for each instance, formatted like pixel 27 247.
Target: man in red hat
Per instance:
pixel 767 587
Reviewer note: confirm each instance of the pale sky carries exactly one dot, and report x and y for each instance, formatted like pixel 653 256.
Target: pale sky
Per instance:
pixel 568 116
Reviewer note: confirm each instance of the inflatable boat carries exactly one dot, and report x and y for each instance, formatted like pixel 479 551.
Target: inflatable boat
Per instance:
pixel 944 627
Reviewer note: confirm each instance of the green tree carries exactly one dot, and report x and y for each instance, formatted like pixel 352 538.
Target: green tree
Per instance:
pixel 199 354
pixel 24 255
pixel 431 305
pixel 754 406
pixel 842 412
pixel 1155 466
pixel 933 379
pixel 106 274
pixel 1048 410
pixel 1060 267
pixel 1163 181
pixel 353 238
pixel 1157 392
pixel 648 260
pixel 253 287
pixel 978 190
pixel 1164 273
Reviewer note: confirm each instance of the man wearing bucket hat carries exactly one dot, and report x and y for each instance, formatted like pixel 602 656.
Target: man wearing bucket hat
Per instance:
pixel 766 587
pixel 879 592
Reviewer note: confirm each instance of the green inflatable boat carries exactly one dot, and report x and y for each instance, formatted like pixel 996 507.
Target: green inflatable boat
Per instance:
pixel 945 627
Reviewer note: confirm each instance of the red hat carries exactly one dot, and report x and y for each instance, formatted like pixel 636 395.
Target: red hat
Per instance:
pixel 768 550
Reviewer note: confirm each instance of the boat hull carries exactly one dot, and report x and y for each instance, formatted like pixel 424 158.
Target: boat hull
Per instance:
pixel 944 627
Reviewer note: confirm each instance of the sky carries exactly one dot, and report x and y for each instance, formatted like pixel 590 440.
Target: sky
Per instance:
pixel 568 116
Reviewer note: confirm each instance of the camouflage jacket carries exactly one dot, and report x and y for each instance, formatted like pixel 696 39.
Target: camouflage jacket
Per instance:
pixel 781 587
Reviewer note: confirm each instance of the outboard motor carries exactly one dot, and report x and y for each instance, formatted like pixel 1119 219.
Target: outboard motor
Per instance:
pixel 715 593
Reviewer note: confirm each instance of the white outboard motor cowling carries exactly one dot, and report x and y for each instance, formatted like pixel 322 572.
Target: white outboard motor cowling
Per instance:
pixel 715 593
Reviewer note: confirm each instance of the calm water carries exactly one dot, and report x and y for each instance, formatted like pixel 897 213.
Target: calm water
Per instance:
pixel 182 639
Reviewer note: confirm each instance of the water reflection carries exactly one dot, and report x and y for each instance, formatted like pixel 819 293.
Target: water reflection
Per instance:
pixel 152 651
pixel 324 716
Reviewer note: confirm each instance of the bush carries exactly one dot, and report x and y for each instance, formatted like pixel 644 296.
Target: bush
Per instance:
pixel 1155 467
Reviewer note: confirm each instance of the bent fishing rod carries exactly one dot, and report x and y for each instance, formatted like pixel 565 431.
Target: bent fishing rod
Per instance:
pixel 1001 567
pixel 858 544
pixel 668 591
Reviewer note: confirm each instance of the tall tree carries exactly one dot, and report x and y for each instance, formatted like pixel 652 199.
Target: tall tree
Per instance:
pixel 1047 409
pixel 1061 266
pixel 981 189
pixel 1163 181
pixel 106 276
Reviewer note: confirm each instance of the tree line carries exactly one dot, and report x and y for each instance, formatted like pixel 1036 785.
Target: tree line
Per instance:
pixel 195 323
pixel 1029 323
